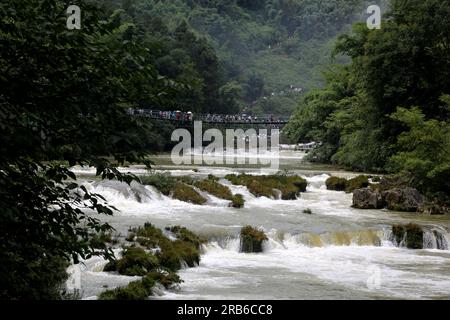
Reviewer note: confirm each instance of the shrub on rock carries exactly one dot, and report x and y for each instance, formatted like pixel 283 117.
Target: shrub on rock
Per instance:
pixel 376 179
pixel 167 254
pixel 358 182
pixel 237 201
pixel 135 290
pixel 141 289
pixel 183 234
pixel 410 236
pixel 336 184
pixel 158 266
pixel 213 187
pixel 392 182
pixel 213 177
pixel 186 193
pixel 252 239
pixel 267 186
pixel 172 256
pixel 164 182
pixel 134 262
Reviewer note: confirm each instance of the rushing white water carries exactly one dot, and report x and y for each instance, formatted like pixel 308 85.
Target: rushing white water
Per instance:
pixel 337 252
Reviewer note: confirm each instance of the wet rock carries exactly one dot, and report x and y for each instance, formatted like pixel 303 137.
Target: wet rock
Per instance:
pixel 367 199
pixel 405 199
pixel 434 208
pixel 252 240
pixel 409 236
pixel 336 184
pixel 392 182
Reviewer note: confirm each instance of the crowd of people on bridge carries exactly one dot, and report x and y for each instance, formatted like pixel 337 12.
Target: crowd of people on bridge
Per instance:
pixel 167 115
pixel 212 118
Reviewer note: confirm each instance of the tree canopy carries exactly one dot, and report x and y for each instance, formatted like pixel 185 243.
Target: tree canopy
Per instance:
pixel 395 89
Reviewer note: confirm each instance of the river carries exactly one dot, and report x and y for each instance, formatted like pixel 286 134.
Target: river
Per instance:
pixel 337 252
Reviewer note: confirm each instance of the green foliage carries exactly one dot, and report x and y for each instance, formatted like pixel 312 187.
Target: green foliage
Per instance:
pixel 376 179
pixel 262 47
pixel 64 96
pixel 164 182
pixel 185 235
pixel 102 239
pixel 366 117
pixel 424 156
pixel 336 184
pixel 178 188
pixel 186 179
pixel 358 182
pixel 141 289
pixel 252 239
pixel 158 267
pixel 186 193
pixel 215 188
pixel 410 235
pixel 267 186
pixel 237 201
pixel 180 54
pixel 40 232
pixel 135 290
pixel 134 262
pixel 213 177
pixel 172 253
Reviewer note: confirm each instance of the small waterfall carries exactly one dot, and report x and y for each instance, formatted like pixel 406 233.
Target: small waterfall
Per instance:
pixel 375 238
pixel 211 199
pixel 420 237
pixel 225 243
pixel 135 191
pixel 279 240
pixel 238 189
pixel 317 182
pixel 435 238
pixel 277 193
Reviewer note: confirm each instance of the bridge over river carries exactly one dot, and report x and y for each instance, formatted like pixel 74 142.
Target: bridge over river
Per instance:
pixel 186 119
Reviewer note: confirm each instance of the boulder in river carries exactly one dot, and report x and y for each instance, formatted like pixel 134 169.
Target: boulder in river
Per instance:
pixel 434 208
pixel 409 236
pixel 358 182
pixel 252 240
pixel 367 198
pixel 237 201
pixel 403 199
pixel 336 184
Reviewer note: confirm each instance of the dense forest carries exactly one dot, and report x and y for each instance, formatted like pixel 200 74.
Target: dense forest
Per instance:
pixel 389 109
pixel 256 56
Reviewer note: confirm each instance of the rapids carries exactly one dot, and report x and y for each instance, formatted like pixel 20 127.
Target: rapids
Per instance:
pixel 337 252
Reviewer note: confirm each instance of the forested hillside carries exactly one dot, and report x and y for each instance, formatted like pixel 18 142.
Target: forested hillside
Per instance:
pixel 389 109
pixel 260 56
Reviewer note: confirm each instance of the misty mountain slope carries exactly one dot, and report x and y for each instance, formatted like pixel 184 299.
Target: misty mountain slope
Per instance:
pixel 271 50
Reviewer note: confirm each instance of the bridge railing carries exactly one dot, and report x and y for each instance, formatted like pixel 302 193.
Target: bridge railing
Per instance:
pixel 209 118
